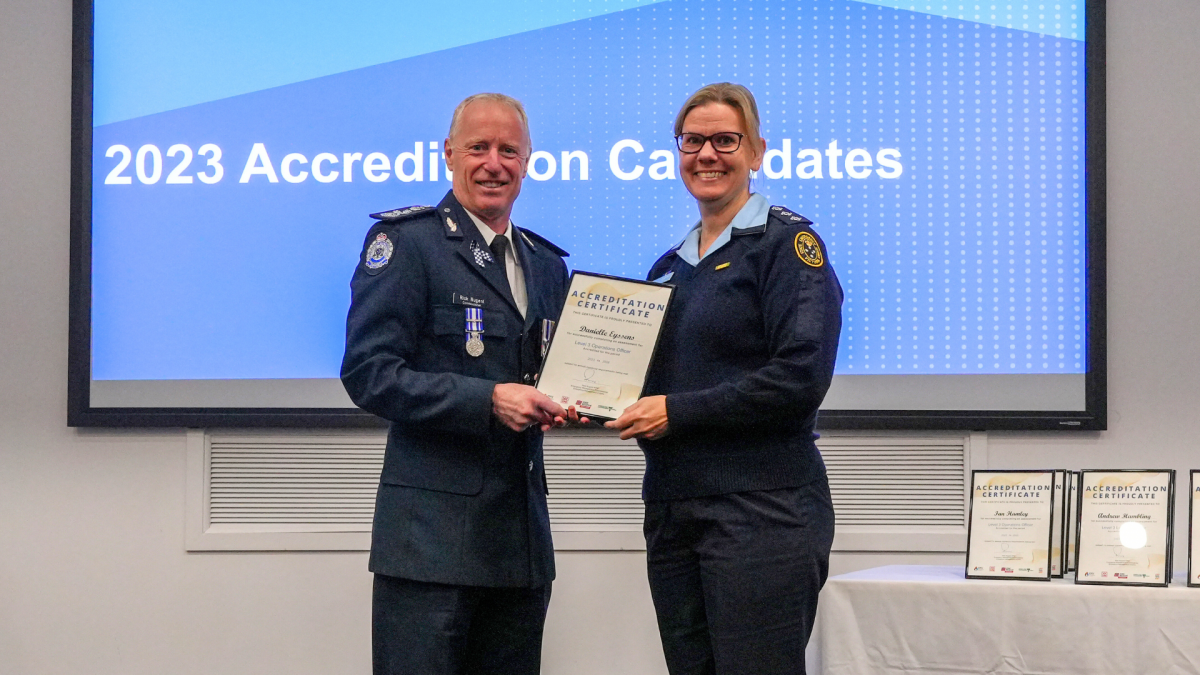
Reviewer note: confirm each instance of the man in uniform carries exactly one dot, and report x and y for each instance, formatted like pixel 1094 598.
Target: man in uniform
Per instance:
pixel 450 312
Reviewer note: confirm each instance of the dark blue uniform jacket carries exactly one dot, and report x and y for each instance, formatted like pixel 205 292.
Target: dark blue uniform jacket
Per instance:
pixel 462 499
pixel 745 358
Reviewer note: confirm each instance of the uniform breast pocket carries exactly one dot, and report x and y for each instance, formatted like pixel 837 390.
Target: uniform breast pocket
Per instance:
pixel 450 330
pixel 449 334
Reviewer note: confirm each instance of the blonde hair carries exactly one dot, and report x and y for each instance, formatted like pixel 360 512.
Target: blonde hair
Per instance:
pixel 509 101
pixel 733 95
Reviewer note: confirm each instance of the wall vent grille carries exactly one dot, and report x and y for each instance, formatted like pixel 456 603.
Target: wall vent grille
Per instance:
pixel 269 491
pixel 594 481
pixel 296 480
pixel 897 481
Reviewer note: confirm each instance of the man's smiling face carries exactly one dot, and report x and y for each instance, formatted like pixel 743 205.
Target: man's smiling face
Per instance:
pixel 488 156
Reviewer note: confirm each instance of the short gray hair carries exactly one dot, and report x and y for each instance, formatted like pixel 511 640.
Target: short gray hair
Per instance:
pixel 507 100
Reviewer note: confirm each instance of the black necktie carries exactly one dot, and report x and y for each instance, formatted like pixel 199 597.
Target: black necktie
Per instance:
pixel 499 248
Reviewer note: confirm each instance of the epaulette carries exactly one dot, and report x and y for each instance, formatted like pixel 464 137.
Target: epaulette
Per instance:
pixel 789 217
pixel 401 214
pixel 543 241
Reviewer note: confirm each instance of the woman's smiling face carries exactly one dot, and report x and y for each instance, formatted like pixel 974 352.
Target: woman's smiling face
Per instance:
pixel 717 178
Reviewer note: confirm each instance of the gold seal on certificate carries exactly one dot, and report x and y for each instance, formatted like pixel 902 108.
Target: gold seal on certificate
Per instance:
pixel 1125 527
pixel 603 343
pixel 1009 530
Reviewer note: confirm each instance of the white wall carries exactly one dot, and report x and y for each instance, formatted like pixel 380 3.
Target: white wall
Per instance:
pixel 93 574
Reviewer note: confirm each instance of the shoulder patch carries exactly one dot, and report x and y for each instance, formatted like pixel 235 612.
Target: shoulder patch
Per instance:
pixel 539 239
pixel 401 214
pixel 378 253
pixel 809 249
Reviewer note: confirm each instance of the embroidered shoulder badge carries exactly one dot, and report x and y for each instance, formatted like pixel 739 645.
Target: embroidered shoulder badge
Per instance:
pixel 379 253
pixel 809 250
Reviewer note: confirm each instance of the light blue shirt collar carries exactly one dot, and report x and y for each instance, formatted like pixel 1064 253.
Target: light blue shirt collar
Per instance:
pixel 752 214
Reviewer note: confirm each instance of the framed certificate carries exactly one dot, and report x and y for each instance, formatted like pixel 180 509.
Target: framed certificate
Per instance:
pixel 603 343
pixel 1193 535
pixel 1058 526
pixel 1010 526
pixel 1125 523
pixel 1072 517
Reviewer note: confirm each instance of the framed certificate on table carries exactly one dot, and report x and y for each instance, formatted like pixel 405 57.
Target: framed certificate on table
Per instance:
pixel 1072 517
pixel 603 343
pixel 1058 526
pixel 1193 535
pixel 1125 524
pixel 1010 526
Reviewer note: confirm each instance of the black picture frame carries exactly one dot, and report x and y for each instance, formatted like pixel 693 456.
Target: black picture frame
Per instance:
pixel 657 336
pixel 1060 507
pixel 967 573
pixel 1072 519
pixel 1170 533
pixel 1193 577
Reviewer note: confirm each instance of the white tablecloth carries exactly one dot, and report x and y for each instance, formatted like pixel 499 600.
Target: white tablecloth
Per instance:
pixel 929 619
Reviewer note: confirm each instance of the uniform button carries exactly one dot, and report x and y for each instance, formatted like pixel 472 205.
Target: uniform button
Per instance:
pixel 531 466
pixel 528 377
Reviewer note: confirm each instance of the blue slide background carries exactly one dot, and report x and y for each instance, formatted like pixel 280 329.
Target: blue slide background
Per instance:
pixel 972 261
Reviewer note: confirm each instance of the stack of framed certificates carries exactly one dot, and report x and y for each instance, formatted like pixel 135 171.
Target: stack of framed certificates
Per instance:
pixel 1011 529
pixel 1109 527
pixel 1193 533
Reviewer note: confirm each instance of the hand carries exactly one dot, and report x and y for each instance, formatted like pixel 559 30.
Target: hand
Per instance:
pixel 574 418
pixel 645 419
pixel 519 406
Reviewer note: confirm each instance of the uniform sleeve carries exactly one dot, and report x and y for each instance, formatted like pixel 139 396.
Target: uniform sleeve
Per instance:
pixel 387 315
pixel 802 318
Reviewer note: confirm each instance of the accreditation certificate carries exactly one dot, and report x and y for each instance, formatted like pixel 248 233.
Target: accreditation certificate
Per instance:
pixel 1125 527
pixel 603 343
pixel 1194 532
pixel 1009 530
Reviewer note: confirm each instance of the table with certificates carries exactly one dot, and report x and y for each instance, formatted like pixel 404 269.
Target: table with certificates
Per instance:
pixel 1125 523
pixel 603 343
pixel 1010 528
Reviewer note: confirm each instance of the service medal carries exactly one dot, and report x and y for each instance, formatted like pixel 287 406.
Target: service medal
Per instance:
pixel 474 331
pixel 474 346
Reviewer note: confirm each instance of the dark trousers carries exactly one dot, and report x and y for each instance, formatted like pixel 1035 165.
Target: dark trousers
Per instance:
pixel 421 628
pixel 735 578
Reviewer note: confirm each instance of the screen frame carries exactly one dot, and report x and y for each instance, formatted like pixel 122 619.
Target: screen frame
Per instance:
pixel 80 412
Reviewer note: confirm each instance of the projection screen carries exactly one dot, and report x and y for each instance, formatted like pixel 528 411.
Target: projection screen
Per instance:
pixel 226 156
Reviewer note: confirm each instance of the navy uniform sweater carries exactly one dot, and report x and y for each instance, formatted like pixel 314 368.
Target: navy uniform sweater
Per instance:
pixel 745 358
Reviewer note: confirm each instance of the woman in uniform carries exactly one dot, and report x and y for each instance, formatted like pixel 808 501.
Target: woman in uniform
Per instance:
pixel 739 522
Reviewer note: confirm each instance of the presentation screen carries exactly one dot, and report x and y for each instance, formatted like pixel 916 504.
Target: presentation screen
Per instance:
pixel 227 155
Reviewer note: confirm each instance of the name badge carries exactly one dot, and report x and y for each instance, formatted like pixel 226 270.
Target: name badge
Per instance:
pixel 460 299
